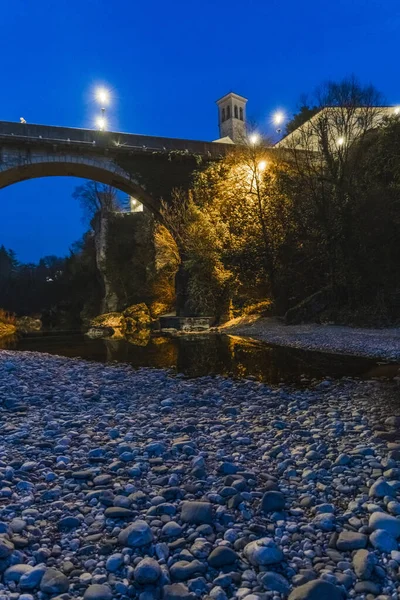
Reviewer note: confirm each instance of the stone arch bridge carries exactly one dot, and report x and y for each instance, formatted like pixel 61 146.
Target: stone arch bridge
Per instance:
pixel 145 167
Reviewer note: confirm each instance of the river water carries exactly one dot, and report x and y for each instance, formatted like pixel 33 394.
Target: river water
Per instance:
pixel 196 355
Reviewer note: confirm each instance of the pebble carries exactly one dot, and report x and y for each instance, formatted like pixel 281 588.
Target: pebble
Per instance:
pixel 119 483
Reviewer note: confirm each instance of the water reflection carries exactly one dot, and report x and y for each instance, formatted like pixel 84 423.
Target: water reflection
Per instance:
pixel 197 355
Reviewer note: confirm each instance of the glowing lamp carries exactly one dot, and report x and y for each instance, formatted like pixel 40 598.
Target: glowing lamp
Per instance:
pixel 254 138
pixel 262 165
pixel 340 141
pixel 278 117
pixel 101 123
pixel 102 96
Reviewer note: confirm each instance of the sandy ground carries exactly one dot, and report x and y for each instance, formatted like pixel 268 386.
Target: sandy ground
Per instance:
pixel 374 343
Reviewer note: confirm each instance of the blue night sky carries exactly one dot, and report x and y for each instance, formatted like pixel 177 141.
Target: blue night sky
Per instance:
pixel 166 64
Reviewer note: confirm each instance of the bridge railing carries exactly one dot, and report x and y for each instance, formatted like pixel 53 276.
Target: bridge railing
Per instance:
pixel 31 133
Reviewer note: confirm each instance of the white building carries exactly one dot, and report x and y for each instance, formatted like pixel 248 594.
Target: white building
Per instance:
pixel 336 126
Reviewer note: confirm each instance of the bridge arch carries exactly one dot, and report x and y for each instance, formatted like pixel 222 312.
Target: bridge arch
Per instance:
pixel 17 166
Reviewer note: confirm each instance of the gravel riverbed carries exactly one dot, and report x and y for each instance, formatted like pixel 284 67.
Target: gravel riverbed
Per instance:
pixel 338 339
pixel 116 483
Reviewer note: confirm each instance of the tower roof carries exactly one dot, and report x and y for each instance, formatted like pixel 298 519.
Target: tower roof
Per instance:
pixel 231 94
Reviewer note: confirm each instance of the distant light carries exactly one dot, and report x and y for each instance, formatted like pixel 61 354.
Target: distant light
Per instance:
pixel 278 117
pixel 254 138
pixel 397 110
pixel 262 165
pixel 340 141
pixel 101 123
pixel 103 96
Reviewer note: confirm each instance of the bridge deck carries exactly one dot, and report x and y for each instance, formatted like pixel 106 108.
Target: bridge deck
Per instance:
pixel 44 134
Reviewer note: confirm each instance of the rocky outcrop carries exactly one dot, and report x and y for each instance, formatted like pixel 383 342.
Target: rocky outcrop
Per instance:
pixel 6 329
pixel 115 320
pixel 28 324
pixel 137 317
pixel 134 322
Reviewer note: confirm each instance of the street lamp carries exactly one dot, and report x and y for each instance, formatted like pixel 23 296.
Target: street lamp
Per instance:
pixel 262 165
pixel 278 117
pixel 103 97
pixel 101 123
pixel 254 138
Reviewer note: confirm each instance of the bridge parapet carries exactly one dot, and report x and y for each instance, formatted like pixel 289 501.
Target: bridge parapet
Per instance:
pixel 31 134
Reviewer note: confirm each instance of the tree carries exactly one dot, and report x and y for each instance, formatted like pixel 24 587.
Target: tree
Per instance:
pixel 323 154
pixel 304 113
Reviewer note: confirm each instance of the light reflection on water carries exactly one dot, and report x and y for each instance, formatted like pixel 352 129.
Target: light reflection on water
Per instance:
pixel 196 355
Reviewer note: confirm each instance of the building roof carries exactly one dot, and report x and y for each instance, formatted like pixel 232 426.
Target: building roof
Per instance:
pixel 231 94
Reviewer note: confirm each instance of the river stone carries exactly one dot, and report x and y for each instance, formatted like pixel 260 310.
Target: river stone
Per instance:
pixel 6 548
pixel 317 590
pixel 171 529
pixel 275 582
pixel 98 591
pixel 114 562
pixel 272 501
pixel 118 512
pixel 147 571
pixel 383 541
pixel 381 520
pixel 32 579
pixel 363 564
pixel 54 582
pixel 68 523
pixel 184 570
pixel 135 535
pixel 380 489
pixel 263 552
pixel 196 512
pixel 350 540
pixel 15 572
pixel 221 556
pixel 177 591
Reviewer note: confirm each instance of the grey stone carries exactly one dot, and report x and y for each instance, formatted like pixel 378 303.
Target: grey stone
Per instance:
pixel 171 529
pixel 363 564
pixel 114 562
pixel 263 552
pixel 380 489
pixel 54 582
pixel 147 571
pixel 177 591
pixel 317 590
pixel 136 535
pixel 184 570
pixel 350 540
pixel 383 541
pixel 381 520
pixel 272 501
pixel 118 512
pixel 222 556
pixel 98 591
pixel 196 512
pixel 275 582
pixel 6 547
pixel 32 579
pixel 15 572
pixel 68 523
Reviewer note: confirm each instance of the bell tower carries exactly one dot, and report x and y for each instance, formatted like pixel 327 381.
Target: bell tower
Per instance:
pixel 232 117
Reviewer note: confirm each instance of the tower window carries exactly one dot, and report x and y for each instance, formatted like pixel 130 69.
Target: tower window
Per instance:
pixel 228 112
pixel 241 113
pixel 236 112
pixel 223 115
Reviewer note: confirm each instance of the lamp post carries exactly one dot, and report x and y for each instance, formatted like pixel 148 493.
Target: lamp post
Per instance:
pixel 103 97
